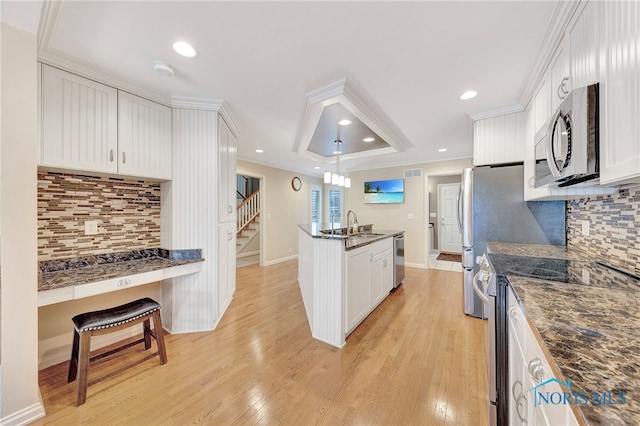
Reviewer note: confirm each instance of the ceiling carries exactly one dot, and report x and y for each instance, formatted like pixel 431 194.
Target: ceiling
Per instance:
pixel 410 60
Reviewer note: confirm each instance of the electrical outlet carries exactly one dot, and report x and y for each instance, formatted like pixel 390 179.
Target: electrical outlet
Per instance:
pixel 432 214
pixel 410 216
pixel 585 228
pixel 90 227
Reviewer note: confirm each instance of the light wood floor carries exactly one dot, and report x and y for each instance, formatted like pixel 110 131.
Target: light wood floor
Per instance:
pixel 416 360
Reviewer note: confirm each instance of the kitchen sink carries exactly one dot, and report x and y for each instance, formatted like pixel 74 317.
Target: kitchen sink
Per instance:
pixel 367 235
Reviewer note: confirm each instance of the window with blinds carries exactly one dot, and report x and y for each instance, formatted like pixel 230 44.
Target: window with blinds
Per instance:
pixel 315 206
pixel 334 207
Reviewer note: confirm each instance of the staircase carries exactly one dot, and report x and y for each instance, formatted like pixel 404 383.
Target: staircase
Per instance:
pixel 248 220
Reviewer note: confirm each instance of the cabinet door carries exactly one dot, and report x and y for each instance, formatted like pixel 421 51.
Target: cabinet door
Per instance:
pixel 498 140
pixel 620 93
pixel 387 280
pixel 378 266
pixel 358 288
pixel 559 70
pixel 583 50
pixel 541 103
pixel 144 138
pixel 226 265
pixel 79 123
pixel 227 156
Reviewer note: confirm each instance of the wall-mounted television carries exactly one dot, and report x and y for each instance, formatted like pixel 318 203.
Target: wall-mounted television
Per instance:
pixel 384 191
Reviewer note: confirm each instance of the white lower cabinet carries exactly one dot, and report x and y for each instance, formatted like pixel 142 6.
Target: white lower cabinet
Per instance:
pixel 531 377
pixel 369 278
pixel 226 265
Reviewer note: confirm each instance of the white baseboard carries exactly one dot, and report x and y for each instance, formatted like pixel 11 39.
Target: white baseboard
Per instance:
pixel 415 265
pixel 282 259
pixel 24 416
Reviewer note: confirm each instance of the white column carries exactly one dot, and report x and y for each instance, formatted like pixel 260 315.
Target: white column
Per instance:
pixel 189 221
pixel 18 209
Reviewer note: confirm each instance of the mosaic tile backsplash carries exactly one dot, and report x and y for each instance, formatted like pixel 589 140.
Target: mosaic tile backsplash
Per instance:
pixel 127 211
pixel 614 228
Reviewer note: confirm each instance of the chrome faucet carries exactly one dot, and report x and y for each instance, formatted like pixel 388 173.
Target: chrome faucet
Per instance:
pixel 355 222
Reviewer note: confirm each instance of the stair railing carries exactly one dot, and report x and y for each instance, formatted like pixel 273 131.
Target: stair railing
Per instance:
pixel 248 210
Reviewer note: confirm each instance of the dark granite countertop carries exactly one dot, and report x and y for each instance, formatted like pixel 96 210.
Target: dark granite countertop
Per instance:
pixel 590 330
pixel 60 273
pixel 367 235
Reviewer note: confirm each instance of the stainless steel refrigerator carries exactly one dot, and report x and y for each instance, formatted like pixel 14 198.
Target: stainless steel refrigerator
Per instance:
pixel 491 207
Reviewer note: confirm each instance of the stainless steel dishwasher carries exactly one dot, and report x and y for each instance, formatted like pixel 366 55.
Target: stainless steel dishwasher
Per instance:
pixel 398 260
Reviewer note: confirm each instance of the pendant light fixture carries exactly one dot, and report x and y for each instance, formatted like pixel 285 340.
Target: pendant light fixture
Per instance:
pixel 336 178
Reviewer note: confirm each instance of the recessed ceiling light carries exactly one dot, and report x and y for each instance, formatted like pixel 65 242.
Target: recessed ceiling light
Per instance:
pixel 468 95
pixel 344 122
pixel 337 152
pixel 369 139
pixel 162 68
pixel 259 151
pixel 317 167
pixel 185 49
pixel 442 150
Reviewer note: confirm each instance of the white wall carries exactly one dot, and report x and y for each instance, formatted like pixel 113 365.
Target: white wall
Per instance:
pixel 396 216
pixel 18 191
pixel 283 209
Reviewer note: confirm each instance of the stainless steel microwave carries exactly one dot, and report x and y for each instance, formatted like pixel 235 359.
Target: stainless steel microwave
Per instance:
pixel 567 147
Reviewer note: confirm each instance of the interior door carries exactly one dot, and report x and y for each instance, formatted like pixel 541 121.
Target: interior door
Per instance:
pixel 449 236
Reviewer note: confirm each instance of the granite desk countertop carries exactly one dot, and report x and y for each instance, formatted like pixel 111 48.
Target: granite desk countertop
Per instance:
pixel 60 273
pixel 592 332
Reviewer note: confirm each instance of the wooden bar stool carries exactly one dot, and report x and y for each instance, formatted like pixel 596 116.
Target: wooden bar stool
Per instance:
pixel 107 321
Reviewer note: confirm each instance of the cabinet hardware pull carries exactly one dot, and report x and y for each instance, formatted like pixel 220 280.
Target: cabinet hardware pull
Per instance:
pixel 563 84
pixel 124 157
pixel 384 263
pixel 536 370
pixel 560 92
pixel 229 236
pixel 111 156
pixel 228 209
pixel 513 388
pixel 519 403
pixel 123 282
pixel 532 181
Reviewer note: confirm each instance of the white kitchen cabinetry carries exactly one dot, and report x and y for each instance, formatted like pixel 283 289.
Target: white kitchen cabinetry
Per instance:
pixel 541 103
pixel 620 92
pixel 358 300
pixel 79 123
pixel 498 140
pixel 227 156
pixel 582 34
pixel 91 127
pixel 559 70
pixel 144 138
pixel 529 368
pixel 226 265
pixel 369 278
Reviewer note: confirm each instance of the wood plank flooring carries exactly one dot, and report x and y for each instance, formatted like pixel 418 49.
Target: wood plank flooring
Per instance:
pixel 416 360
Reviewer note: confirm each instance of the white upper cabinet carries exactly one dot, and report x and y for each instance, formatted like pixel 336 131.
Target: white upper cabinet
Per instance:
pixel 620 92
pixel 541 103
pixel 498 140
pixel 582 35
pixel 79 123
pixel 144 137
pixel 91 127
pixel 559 78
pixel 227 156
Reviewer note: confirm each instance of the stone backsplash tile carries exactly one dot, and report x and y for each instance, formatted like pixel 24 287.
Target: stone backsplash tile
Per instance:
pixel 614 222
pixel 127 211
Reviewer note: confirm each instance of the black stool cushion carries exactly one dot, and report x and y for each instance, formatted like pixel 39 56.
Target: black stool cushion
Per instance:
pixel 115 316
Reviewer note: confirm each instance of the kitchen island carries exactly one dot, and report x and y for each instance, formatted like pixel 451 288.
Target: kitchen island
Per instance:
pixel 587 326
pixel 343 277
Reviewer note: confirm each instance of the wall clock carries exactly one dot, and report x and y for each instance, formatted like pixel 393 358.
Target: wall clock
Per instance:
pixel 296 183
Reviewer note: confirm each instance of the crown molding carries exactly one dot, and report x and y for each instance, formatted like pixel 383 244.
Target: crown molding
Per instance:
pixel 497 112
pixel 562 13
pixel 206 104
pixel 361 106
